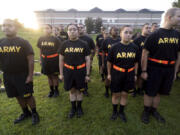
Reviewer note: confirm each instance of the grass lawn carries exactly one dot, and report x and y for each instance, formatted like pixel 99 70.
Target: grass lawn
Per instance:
pixel 97 110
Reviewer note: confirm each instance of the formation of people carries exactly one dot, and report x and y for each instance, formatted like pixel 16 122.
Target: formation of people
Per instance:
pixel 146 65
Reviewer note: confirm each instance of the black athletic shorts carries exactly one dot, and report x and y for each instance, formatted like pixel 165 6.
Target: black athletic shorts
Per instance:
pixel 15 85
pixel 159 80
pixel 50 66
pixel 74 79
pixel 122 81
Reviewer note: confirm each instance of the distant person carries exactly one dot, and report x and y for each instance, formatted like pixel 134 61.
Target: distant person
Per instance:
pixel 106 46
pixel 86 38
pixel 140 43
pixel 154 27
pixel 49 58
pixel 62 33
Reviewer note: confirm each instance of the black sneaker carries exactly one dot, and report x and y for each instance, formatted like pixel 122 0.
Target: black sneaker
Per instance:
pixel 85 92
pixel 35 118
pixel 158 117
pixel 106 95
pixel 56 93
pixel 51 93
pixel 22 117
pixel 114 116
pixel 145 117
pixel 79 112
pixel 123 116
pixel 71 113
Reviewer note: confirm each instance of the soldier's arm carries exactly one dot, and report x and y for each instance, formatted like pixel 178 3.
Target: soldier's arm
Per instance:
pixel 144 59
pixel 61 61
pixel 87 58
pixel 30 59
pixel 177 63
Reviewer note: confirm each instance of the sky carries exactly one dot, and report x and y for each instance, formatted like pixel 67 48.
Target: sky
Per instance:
pixel 23 10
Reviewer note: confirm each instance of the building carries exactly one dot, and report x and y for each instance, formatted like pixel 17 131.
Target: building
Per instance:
pixel 118 17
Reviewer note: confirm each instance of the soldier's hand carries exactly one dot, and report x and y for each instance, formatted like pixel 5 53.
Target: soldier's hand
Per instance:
pixel 144 75
pixel 40 62
pixel 102 66
pixel 87 79
pixel 175 76
pixel 109 77
pixel 29 79
pixel 61 77
pixel 135 78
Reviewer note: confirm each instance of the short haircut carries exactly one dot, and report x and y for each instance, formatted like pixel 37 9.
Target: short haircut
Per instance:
pixel 154 24
pixel 72 24
pixel 11 20
pixel 171 11
pixel 122 28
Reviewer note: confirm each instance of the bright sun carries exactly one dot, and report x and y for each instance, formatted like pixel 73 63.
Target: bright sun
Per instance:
pixel 27 19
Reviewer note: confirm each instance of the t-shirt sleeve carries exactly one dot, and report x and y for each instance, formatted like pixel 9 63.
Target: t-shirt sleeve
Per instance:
pixel 87 50
pixel 92 44
pixel 39 43
pixel 149 42
pixel 138 55
pixel 28 48
pixel 58 43
pixel 61 49
pixel 110 57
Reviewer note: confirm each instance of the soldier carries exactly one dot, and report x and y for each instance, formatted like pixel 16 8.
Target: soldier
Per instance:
pixel 100 43
pixel 49 59
pixel 140 43
pixel 74 68
pixel 91 45
pixel 17 62
pixel 105 49
pixel 56 33
pixel 160 61
pixel 154 27
pixel 62 33
pixel 122 66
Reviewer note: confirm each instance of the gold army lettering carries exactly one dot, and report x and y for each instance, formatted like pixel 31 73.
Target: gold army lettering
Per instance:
pixel 171 40
pixel 126 55
pixel 74 50
pixel 9 49
pixel 47 43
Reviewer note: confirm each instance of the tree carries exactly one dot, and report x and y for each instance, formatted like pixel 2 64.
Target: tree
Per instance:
pixel 176 3
pixel 89 22
pixel 97 25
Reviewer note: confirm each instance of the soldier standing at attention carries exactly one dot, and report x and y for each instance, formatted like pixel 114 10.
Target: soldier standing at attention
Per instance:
pixel 74 63
pixel 160 62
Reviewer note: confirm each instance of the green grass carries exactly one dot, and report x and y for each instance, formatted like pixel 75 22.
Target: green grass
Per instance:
pixel 97 109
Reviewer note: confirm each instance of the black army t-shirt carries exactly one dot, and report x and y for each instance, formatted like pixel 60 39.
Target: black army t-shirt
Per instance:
pixel 140 42
pixel 107 44
pixel 74 52
pixel 163 44
pixel 89 41
pixel 13 55
pixel 123 56
pixel 48 45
